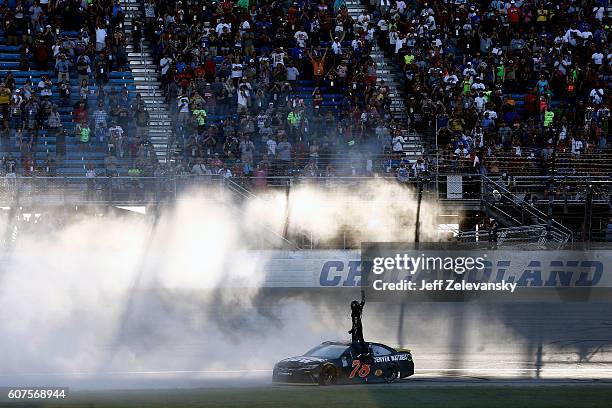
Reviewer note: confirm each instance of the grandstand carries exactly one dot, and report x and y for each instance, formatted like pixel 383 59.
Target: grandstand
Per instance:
pixel 255 95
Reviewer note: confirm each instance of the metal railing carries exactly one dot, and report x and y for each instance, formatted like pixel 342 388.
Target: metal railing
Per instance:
pixel 591 164
pixel 496 197
pixel 512 235
pixel 54 191
pixel 457 188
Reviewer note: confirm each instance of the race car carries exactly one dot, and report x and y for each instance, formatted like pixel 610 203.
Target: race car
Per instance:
pixel 335 362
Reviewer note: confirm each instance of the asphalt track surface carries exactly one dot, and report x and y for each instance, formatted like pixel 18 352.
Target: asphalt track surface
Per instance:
pixel 260 380
pixel 165 342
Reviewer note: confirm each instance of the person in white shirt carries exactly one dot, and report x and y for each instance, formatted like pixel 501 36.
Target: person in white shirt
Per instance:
pixel 563 133
pixel 199 169
pixel 401 6
pixel 383 25
pixel 478 86
pixel 431 23
pixel 492 114
pixel 419 167
pixel 337 46
pixel 599 11
pixel 164 64
pixel 370 33
pixel 399 43
pixel 571 35
pixel 271 148
pixel 222 24
pixel 597 95
pixel 469 70
pixel 597 58
pixel 100 38
pixel 462 151
pixel 45 85
pixel 451 79
pixel 237 70
pixel 225 172
pixel 182 104
pixel 480 102
pixel 398 143
pixel 278 57
pixel 243 95
pixel 363 20
pixel 300 38
pixel 576 146
pixel 393 34
pixel 427 11
pixel 292 74
pixel 244 26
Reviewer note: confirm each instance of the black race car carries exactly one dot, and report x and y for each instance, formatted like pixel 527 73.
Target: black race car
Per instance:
pixel 339 362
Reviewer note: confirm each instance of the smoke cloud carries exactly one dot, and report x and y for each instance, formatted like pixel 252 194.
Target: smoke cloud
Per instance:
pixel 180 291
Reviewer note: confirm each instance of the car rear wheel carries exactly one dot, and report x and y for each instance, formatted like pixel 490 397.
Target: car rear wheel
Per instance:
pixel 328 376
pixel 392 373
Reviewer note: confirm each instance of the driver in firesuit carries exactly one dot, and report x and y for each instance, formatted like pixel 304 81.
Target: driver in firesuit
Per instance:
pixel 356 331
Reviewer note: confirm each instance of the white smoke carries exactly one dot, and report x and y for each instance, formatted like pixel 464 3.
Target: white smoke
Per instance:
pixel 111 294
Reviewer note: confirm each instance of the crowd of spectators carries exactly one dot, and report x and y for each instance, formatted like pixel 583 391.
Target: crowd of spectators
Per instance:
pixel 82 42
pixel 268 87
pixel 260 87
pixel 519 80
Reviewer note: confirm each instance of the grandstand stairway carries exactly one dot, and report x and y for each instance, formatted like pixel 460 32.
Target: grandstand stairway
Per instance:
pixel 148 84
pixel 413 147
pixel 511 211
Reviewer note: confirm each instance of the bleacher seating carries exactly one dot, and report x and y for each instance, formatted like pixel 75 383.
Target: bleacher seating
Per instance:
pixel 76 158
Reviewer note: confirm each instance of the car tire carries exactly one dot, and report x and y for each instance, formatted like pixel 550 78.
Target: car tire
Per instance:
pixel 328 375
pixel 392 373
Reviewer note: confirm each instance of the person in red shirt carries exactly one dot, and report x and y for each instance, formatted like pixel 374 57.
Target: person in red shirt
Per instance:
pixel 530 103
pixel 227 6
pixel 514 14
pixel 80 114
pixel 199 71
pixel 211 69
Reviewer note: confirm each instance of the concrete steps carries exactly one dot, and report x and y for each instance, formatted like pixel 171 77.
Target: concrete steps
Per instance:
pixel 148 84
pixel 386 71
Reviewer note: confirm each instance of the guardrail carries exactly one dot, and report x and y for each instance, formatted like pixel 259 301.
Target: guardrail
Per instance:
pixel 591 164
pixel 512 235
pixel 565 189
pixel 459 188
pixel 53 191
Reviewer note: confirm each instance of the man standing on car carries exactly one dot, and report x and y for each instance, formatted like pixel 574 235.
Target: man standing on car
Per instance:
pixel 356 331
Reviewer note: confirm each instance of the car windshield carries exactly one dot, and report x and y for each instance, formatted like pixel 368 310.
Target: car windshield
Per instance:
pixel 327 351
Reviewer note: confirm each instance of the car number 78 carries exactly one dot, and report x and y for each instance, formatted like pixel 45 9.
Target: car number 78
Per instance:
pixel 362 370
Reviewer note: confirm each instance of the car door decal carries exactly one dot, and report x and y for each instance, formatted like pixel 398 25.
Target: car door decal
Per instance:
pixel 360 369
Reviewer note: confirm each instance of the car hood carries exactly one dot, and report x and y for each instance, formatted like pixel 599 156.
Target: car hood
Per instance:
pixel 300 361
